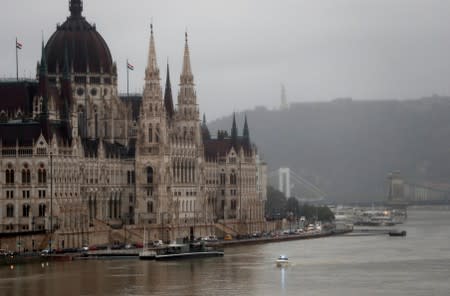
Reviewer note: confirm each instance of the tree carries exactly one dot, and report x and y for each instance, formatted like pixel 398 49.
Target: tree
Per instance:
pixel 292 206
pixel 325 214
pixel 276 204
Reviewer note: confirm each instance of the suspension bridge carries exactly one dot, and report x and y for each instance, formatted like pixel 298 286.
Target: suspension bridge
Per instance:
pixel 293 185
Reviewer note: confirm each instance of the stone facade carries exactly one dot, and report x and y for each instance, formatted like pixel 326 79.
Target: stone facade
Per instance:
pixel 80 165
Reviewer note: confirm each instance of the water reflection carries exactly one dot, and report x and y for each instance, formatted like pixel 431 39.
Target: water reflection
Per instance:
pixel 337 265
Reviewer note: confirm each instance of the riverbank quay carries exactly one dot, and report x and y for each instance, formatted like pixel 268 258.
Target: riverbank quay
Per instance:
pixel 19 259
pixel 278 238
pixel 110 254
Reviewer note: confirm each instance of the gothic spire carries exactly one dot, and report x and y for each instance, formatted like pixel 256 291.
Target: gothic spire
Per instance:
pixel 246 136
pixel 43 65
pixel 75 7
pixel 152 66
pixel 186 75
pixel 205 131
pixel 168 102
pixel 246 132
pixel 234 132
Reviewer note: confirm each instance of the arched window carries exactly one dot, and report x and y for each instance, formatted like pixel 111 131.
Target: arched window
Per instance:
pixel 95 121
pixel 222 178
pixel 42 174
pixel 182 207
pixel 26 210
pixel 150 134
pixel 150 207
pixel 233 179
pixel 10 211
pixel 42 210
pixel 26 175
pixel 9 175
pixel 149 175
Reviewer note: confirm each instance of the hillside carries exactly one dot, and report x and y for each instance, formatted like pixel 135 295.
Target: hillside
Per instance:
pixel 348 147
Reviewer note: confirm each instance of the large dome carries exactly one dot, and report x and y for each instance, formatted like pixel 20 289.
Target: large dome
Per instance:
pixel 86 48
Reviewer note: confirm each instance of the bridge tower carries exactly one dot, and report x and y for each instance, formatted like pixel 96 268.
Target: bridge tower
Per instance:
pixel 284 181
pixel 396 192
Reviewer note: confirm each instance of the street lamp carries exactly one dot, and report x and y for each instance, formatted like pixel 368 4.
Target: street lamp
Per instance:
pixel 51 203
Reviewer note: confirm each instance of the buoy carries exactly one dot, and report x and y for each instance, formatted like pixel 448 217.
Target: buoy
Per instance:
pixel 12 267
pixel 47 264
pixel 42 264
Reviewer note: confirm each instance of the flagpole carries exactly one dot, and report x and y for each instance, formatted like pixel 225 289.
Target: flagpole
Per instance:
pixel 17 62
pixel 128 80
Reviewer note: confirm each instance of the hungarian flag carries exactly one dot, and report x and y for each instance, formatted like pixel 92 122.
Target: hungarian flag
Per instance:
pixel 130 66
pixel 18 45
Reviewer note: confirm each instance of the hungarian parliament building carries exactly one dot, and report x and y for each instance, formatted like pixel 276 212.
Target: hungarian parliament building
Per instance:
pixel 83 165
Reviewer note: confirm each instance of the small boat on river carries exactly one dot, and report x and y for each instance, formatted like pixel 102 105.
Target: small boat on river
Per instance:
pixel 397 233
pixel 282 261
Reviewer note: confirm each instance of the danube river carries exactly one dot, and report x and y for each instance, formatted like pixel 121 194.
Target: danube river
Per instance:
pixel 418 264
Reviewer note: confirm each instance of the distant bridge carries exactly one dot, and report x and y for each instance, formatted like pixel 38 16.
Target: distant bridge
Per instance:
pixel 292 184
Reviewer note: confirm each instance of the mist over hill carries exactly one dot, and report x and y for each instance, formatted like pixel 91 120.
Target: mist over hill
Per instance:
pixel 348 147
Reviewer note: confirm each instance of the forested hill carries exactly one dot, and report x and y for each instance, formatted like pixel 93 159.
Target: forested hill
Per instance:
pixel 348 147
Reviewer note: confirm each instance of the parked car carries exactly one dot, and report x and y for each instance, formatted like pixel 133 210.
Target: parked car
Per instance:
pixel 211 238
pixel 157 243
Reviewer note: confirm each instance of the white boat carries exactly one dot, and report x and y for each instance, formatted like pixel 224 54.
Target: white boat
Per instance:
pixel 282 261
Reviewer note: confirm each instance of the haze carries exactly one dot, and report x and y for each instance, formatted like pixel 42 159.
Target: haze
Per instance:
pixel 242 50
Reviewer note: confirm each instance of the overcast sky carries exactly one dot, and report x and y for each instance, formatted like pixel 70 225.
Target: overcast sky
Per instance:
pixel 241 51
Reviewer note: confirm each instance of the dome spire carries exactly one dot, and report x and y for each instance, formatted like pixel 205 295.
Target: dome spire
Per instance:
pixel 76 7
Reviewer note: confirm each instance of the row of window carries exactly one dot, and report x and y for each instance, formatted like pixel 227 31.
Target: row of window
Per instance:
pixel 187 206
pixel 233 192
pixel 188 193
pixel 25 210
pixel 26 175
pixel 25 194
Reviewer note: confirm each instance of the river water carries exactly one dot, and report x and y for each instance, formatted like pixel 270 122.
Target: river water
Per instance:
pixel 418 264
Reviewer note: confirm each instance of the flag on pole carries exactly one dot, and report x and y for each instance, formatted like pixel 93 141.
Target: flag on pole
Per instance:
pixel 130 66
pixel 18 45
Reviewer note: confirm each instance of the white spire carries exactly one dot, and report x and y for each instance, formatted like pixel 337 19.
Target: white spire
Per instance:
pixel 152 71
pixel 186 76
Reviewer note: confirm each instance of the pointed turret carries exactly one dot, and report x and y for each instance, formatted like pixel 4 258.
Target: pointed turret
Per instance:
pixel 234 132
pixel 246 132
pixel 187 98
pixel 76 8
pixel 186 75
pixel 205 131
pixel 43 71
pixel 168 102
pixel 43 82
pixel 43 94
pixel 152 71
pixel 246 136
